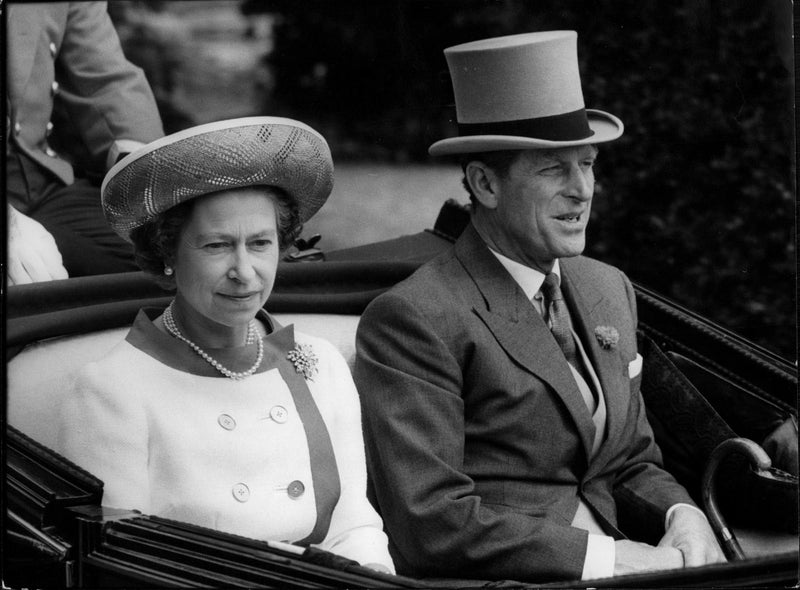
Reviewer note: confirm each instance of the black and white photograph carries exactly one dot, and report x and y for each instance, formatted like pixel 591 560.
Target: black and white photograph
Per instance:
pixel 400 294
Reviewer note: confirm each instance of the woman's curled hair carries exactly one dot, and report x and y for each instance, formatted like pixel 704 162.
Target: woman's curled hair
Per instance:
pixel 156 241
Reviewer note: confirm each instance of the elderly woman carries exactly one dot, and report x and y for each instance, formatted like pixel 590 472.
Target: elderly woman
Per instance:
pixel 212 412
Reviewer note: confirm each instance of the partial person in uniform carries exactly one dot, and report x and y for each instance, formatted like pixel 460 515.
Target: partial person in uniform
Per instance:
pixel 210 412
pixel 67 55
pixel 506 434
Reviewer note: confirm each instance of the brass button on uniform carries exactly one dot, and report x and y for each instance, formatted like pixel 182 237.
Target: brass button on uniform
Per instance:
pixel 49 128
pixel 241 492
pixel 279 414
pixel 226 421
pixel 52 49
pixel 296 489
pixel 55 87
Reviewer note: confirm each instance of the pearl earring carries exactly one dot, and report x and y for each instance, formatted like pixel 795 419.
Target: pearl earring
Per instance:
pixel 168 271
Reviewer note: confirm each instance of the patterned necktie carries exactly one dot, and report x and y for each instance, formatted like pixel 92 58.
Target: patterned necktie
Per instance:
pixel 559 318
pixel 561 328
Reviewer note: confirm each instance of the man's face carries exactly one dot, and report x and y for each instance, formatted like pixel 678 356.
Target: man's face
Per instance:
pixel 542 205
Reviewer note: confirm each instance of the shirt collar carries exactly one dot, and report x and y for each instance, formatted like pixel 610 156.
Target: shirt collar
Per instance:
pixel 529 279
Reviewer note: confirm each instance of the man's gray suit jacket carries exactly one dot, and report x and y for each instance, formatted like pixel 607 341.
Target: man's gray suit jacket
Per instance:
pixel 478 439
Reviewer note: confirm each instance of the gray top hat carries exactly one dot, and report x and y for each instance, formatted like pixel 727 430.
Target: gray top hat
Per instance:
pixel 217 156
pixel 521 92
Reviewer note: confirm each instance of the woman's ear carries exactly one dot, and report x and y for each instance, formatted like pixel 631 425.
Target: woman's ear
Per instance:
pixel 483 182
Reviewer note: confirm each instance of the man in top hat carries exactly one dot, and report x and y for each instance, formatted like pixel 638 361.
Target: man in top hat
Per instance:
pixel 506 434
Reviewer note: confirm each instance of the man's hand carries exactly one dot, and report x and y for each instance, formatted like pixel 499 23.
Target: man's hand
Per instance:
pixel 688 531
pixel 632 557
pixel 781 446
pixel 32 252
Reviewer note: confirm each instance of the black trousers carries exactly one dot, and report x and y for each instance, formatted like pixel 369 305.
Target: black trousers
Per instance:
pixel 72 214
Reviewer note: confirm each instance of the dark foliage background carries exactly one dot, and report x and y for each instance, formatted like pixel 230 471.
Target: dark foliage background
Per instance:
pixel 695 201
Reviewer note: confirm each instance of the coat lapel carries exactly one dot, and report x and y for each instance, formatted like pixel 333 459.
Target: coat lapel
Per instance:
pixel 519 329
pixel 589 309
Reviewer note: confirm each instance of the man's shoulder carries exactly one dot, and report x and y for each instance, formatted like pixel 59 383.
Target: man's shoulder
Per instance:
pixel 427 289
pixel 434 275
pixel 24 17
pixel 585 265
pixel 591 276
pixel 41 11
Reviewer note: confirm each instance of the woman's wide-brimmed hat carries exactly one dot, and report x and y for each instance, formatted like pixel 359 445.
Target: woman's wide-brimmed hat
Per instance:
pixel 218 156
pixel 521 92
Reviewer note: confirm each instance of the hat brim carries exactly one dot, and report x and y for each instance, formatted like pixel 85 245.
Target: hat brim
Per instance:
pixel 237 153
pixel 605 126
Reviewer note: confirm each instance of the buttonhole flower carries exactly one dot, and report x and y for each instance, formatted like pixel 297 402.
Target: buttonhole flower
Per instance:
pixel 607 336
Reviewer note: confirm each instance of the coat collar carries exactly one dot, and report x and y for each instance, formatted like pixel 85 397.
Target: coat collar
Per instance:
pixel 519 329
pixel 523 334
pixel 145 336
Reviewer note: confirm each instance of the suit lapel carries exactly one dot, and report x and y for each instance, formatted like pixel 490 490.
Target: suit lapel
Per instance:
pixel 519 329
pixel 589 309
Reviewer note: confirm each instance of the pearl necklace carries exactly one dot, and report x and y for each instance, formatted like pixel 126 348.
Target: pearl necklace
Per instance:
pixel 252 334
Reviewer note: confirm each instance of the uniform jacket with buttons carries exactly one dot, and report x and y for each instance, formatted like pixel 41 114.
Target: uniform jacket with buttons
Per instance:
pixel 70 52
pixel 478 439
pixel 250 457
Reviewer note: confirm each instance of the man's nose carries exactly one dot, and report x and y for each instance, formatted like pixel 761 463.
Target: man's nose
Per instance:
pixel 581 184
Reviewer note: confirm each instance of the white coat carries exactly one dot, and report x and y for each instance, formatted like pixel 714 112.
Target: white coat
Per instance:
pixel 245 457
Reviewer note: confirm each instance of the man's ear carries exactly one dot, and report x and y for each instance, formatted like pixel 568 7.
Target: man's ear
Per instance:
pixel 483 182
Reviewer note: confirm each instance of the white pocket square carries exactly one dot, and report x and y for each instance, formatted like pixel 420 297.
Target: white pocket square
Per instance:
pixel 635 366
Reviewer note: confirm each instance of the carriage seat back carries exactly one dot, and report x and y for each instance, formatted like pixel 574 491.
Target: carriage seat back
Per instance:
pixel 43 372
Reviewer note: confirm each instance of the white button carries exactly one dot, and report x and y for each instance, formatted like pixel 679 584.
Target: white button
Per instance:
pixel 241 492
pixel 49 151
pixel 17 128
pixel 226 421
pixel 52 49
pixel 279 414
pixel 49 128
pixel 55 88
pixel 295 489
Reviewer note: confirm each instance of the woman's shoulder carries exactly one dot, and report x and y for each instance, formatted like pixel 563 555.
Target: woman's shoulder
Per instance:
pixel 323 348
pixel 332 371
pixel 121 359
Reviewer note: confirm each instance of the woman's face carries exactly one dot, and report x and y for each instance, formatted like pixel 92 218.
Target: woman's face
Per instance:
pixel 225 264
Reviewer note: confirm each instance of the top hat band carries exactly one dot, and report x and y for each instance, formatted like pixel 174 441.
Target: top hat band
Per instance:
pixel 571 126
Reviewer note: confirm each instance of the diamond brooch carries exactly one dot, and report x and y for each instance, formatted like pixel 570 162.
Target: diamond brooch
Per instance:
pixel 304 360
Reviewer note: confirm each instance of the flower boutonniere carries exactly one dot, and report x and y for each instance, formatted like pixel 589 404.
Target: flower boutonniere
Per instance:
pixel 607 336
pixel 304 360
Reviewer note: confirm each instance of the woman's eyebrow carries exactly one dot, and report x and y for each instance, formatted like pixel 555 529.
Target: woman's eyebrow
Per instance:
pixel 222 235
